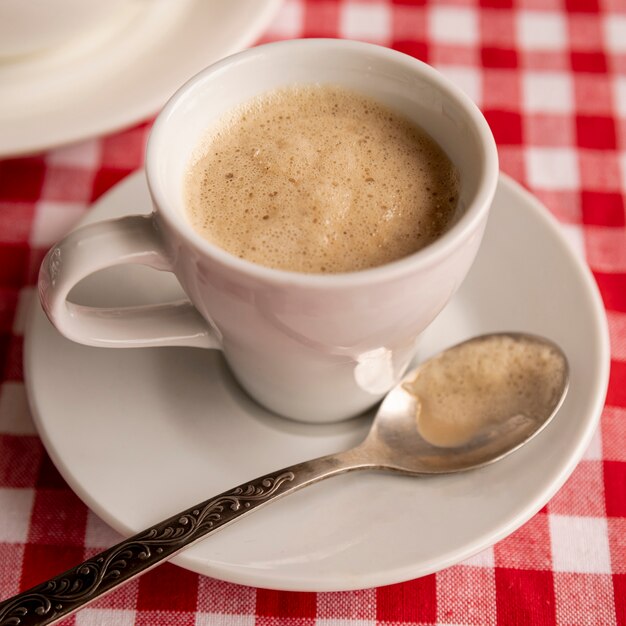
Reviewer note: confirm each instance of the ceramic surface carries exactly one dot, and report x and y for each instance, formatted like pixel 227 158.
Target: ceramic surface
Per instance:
pixel 35 26
pixel 312 347
pixel 122 73
pixel 141 434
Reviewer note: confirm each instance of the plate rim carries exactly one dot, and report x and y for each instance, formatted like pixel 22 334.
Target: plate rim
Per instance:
pixel 232 574
pixel 146 108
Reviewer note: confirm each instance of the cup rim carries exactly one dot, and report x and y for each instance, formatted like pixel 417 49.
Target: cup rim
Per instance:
pixel 423 258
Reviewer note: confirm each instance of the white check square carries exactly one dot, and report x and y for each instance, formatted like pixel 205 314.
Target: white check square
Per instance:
pixel 365 21
pixel 16 505
pixel 594 449
pixel 547 92
pixel 622 167
pixel 453 25
pixel 350 608
pixel 84 155
pixel 288 21
pixel 104 617
pixel 344 622
pixel 224 619
pixel 619 98
pixel 541 30
pixel 574 235
pixel 485 558
pixel 467 78
pixel 99 535
pixel 53 220
pixel 552 168
pixel 614 27
pixel 580 544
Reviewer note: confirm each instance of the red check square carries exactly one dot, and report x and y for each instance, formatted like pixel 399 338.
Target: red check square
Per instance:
pixel 9 298
pixel 19 460
pixel 619 594
pixel 105 179
pixel 21 179
pixel 125 150
pixel 41 562
pixel 416 49
pixel 285 604
pixel 168 588
pixel 497 4
pixel 506 126
pixel 13 264
pixel 589 62
pixel 616 394
pixel 58 518
pixel 603 208
pixel 595 132
pixel 613 291
pixel 585 6
pixel 498 57
pixel 525 597
pixel 413 601
pixel 615 488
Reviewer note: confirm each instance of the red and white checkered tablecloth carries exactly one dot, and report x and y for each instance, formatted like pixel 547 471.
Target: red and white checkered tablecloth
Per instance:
pixel 550 76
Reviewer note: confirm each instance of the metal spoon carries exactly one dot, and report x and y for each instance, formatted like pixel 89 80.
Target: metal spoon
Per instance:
pixel 394 443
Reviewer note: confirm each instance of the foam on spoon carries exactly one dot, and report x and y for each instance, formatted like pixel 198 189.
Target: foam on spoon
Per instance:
pixel 478 385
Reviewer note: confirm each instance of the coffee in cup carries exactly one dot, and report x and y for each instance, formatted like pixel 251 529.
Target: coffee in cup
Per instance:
pixel 319 179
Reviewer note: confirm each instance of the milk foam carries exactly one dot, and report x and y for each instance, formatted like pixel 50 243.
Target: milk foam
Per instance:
pixel 478 385
pixel 319 179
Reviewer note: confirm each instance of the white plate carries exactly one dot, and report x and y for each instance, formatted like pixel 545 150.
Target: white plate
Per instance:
pixel 141 434
pixel 122 74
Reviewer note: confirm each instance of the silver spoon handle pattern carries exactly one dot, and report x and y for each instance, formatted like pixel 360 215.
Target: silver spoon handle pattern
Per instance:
pixel 60 596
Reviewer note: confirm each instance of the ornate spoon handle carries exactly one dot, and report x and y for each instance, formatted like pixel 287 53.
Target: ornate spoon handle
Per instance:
pixel 58 597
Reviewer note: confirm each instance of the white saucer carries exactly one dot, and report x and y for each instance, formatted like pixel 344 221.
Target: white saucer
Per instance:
pixel 141 434
pixel 122 74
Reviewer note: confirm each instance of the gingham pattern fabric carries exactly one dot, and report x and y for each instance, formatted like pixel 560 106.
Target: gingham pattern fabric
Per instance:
pixel 550 76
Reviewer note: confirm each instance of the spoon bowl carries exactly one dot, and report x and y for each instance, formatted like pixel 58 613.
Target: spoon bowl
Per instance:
pixel 469 406
pixel 395 435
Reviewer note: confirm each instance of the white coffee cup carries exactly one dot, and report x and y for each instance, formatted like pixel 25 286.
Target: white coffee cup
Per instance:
pixel 317 348
pixel 35 26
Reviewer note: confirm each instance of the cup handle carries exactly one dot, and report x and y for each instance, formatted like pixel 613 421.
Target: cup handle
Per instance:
pixel 131 239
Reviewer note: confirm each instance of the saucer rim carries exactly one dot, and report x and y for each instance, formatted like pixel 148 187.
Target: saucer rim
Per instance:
pixel 273 580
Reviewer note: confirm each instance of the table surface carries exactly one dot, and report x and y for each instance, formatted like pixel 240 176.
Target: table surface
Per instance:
pixel 550 77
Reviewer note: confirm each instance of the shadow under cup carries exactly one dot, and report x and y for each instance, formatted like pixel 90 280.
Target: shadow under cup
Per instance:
pixel 321 347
